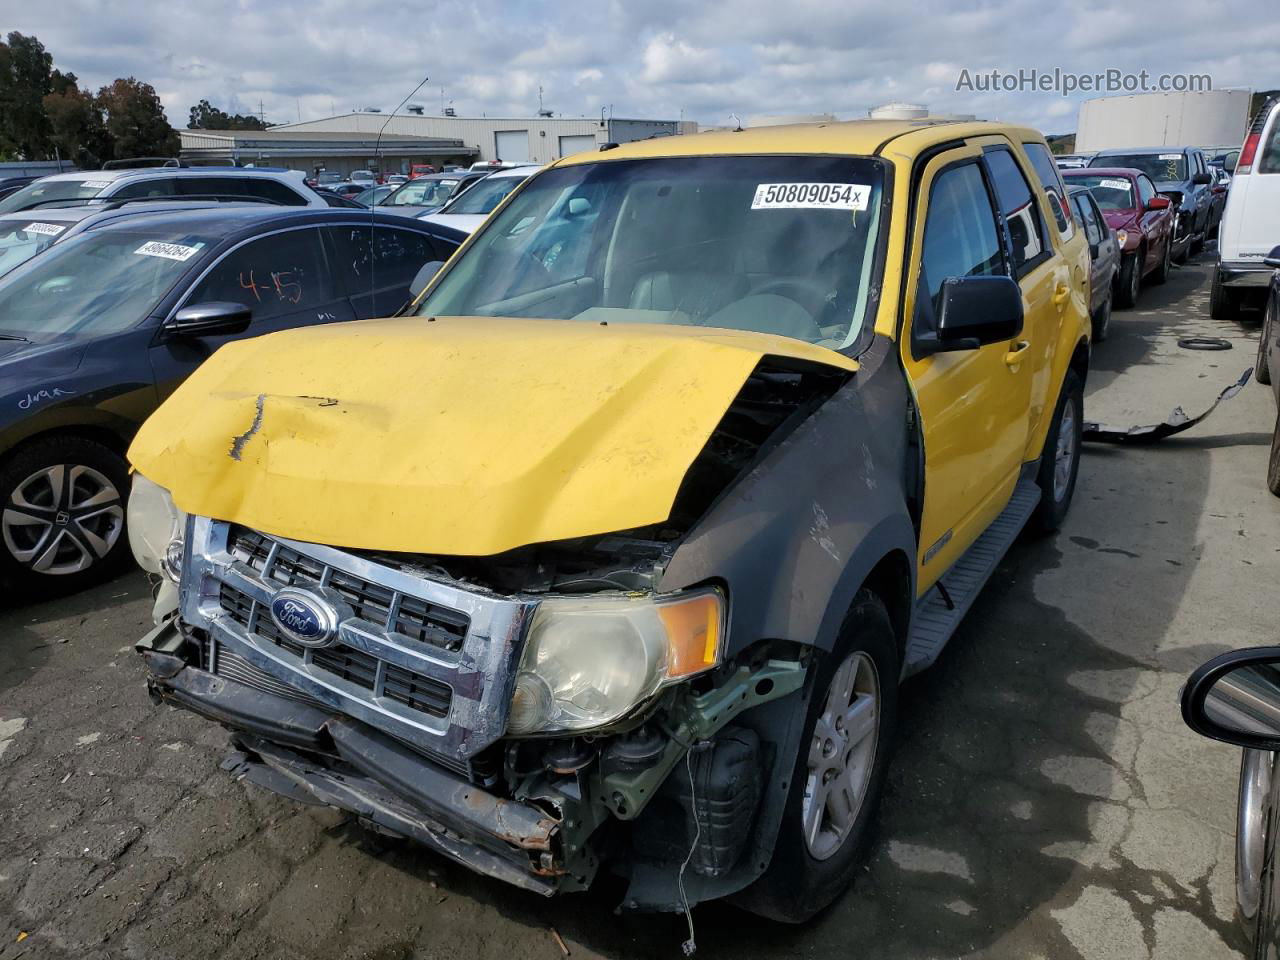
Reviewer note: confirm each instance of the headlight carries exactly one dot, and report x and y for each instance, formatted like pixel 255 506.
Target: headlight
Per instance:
pixel 589 662
pixel 156 527
pixel 1122 237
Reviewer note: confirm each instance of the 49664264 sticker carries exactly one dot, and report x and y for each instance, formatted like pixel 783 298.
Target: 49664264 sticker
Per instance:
pixel 811 196
pixel 170 251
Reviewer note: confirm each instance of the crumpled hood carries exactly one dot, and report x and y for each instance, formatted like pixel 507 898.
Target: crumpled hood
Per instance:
pixel 466 436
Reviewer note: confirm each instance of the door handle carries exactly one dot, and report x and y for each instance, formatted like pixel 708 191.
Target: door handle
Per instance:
pixel 1016 355
pixel 1060 294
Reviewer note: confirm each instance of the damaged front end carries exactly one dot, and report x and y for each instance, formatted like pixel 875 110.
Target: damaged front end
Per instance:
pixel 419 692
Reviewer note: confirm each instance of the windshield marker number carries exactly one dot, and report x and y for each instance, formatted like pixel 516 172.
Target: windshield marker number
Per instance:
pixel 170 251
pixel 810 196
pixel 46 229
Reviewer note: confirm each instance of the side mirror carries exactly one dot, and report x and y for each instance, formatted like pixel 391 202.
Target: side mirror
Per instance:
pixel 1272 259
pixel 1235 698
pixel 424 277
pixel 1229 164
pixel 975 311
pixel 210 319
pixel 1093 251
pixel 1202 178
pixel 1159 203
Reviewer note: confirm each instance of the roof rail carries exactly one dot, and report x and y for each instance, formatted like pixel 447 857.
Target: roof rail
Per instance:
pixel 142 163
pixel 214 197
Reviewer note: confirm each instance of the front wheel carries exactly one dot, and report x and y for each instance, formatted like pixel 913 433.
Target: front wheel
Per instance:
pixel 1129 281
pixel 1102 321
pixel 839 776
pixel 62 516
pixel 1162 272
pixel 1262 366
pixel 1273 465
pixel 1060 461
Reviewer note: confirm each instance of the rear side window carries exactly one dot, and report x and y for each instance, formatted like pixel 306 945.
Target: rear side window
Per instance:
pixel 1047 172
pixel 1146 190
pixel 400 255
pixel 960 238
pixel 275 275
pixel 220 187
pixel 144 189
pixel 273 190
pixel 1085 211
pixel 1021 212
pixel 1270 162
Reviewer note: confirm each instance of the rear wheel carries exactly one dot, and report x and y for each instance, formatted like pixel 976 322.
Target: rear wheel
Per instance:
pixel 1102 321
pixel 1223 304
pixel 839 775
pixel 1261 366
pixel 62 516
pixel 1060 462
pixel 1273 465
pixel 1129 281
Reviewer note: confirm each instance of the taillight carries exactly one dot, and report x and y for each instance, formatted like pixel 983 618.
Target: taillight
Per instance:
pixel 1245 162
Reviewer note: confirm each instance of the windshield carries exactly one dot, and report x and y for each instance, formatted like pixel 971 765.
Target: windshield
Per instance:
pixel 20 240
pixel 99 282
pixel 422 193
pixel 781 245
pixel 485 195
pixel 45 192
pixel 1157 166
pixel 1112 193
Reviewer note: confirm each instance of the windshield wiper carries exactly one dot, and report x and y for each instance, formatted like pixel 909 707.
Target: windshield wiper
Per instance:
pixel 13 336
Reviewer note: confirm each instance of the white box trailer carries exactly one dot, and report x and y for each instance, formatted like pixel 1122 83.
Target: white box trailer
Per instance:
pixel 1204 119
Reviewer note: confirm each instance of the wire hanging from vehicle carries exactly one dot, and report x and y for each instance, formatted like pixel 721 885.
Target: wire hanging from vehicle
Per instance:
pixel 690 946
pixel 373 221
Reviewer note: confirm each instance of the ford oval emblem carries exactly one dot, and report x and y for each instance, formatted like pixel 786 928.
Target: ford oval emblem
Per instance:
pixel 304 617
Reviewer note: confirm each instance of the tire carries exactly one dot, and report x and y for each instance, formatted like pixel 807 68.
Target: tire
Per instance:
pixel 1102 321
pixel 1261 366
pixel 805 876
pixel 62 516
pixel 1273 464
pixel 1223 304
pixel 1057 482
pixel 1130 280
pixel 1161 273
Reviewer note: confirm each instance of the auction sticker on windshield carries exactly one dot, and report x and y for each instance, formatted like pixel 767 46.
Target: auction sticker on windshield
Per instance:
pixel 170 251
pixel 811 196
pixel 1114 184
pixel 48 229
pixel 1170 156
pixel 95 184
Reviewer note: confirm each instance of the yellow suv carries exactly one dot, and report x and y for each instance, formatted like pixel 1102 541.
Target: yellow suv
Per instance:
pixel 612 552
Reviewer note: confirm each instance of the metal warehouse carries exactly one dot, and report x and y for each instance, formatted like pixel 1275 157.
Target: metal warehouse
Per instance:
pixel 342 151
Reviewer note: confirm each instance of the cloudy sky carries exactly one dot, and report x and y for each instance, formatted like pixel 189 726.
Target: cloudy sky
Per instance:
pixel 662 59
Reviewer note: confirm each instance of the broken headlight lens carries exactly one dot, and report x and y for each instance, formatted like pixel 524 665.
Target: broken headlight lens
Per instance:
pixel 590 662
pixel 156 527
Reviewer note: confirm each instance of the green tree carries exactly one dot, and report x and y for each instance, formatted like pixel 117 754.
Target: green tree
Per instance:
pixel 135 120
pixel 76 126
pixel 25 79
pixel 205 116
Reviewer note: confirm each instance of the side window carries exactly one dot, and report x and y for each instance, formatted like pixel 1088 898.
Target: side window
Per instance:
pixel 228 187
pixel 960 238
pixel 142 189
pixel 1146 190
pixel 400 255
pixel 1021 212
pixel 275 275
pixel 1047 171
pixel 273 190
pixel 1085 210
pixel 1270 162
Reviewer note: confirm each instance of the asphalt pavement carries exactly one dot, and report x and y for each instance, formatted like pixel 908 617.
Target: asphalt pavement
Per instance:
pixel 1046 800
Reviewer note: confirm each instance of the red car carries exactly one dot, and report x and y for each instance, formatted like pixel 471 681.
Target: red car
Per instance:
pixel 1142 220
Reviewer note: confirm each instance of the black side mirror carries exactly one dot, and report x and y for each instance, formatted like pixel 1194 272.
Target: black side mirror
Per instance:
pixel 1235 698
pixel 974 311
pixel 424 277
pixel 1272 259
pixel 209 319
pixel 1202 178
pixel 1229 164
pixel 1093 251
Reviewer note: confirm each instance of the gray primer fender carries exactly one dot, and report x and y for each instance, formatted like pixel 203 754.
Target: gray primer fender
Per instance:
pixel 794 540
pixel 797 536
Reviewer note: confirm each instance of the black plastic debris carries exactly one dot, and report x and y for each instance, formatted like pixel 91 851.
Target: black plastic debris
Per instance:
pixel 1204 343
pixel 1178 421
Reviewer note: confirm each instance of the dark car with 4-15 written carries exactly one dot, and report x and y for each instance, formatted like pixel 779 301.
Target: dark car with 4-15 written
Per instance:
pixel 97 330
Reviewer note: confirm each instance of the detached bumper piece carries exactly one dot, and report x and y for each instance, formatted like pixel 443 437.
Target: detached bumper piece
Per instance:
pixel 307 753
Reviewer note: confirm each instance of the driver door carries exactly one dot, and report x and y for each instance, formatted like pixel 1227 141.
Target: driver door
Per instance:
pixel 974 404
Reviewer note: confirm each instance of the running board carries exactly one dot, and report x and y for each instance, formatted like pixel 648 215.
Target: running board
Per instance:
pixel 934 621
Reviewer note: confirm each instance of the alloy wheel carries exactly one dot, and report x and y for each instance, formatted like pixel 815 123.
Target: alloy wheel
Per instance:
pixel 1065 455
pixel 62 519
pixel 841 756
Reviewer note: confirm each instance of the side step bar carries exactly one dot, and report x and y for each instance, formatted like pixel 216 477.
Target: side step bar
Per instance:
pixel 933 621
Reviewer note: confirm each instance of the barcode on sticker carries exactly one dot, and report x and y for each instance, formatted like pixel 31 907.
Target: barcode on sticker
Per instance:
pixel 1114 184
pixel 47 229
pixel 811 196
pixel 170 251
pixel 94 184
pixel 1170 156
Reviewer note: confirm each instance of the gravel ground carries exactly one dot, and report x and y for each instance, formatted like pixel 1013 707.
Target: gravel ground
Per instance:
pixel 1046 800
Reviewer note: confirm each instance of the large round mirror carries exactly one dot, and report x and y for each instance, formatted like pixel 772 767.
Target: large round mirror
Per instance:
pixel 1236 698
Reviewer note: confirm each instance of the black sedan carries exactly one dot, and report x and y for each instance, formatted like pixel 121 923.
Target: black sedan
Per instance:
pixel 99 329
pixel 1267 368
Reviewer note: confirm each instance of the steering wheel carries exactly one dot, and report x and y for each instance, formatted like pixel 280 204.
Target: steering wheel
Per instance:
pixel 813 296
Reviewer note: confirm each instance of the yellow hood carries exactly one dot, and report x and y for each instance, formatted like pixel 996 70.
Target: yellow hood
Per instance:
pixel 454 436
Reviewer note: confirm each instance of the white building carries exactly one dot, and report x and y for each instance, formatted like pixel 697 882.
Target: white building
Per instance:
pixel 1202 119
